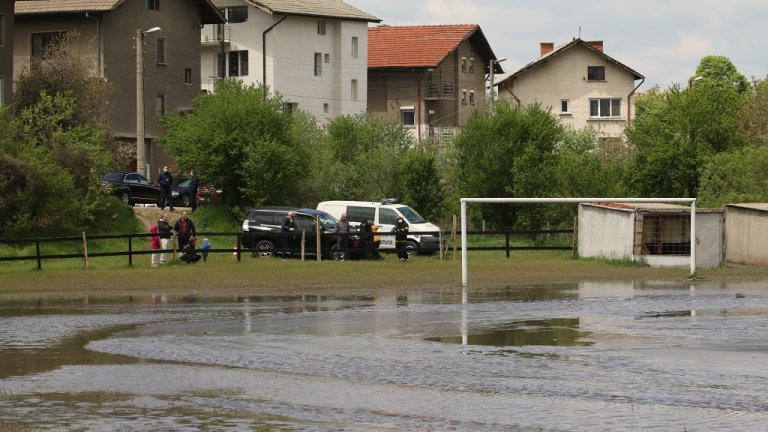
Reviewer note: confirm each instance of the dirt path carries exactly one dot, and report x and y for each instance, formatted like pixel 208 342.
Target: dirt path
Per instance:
pixel 149 215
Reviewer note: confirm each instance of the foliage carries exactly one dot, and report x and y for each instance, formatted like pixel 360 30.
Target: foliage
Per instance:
pixel 240 139
pixel 422 186
pixel 753 115
pixel 737 176
pixel 720 69
pixel 509 154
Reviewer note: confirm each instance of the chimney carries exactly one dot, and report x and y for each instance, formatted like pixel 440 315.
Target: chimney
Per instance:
pixel 546 48
pixel 598 45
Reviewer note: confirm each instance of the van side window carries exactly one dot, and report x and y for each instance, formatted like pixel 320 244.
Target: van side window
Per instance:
pixel 358 214
pixel 387 216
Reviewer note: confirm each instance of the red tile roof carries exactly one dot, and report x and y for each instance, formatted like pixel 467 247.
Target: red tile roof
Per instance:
pixel 414 46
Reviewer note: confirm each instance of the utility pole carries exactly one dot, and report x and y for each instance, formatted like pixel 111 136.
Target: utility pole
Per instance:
pixel 141 146
pixel 493 87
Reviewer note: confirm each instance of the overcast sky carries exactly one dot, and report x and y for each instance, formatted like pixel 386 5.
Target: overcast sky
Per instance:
pixel 662 39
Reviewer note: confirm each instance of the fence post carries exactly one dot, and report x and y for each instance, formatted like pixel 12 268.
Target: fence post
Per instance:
pixel 130 250
pixel 39 261
pixel 237 245
pixel 507 243
pixel 85 251
pixel 317 237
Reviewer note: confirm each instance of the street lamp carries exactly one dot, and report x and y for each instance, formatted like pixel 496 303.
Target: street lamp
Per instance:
pixel 141 149
pixel 693 80
pixel 493 88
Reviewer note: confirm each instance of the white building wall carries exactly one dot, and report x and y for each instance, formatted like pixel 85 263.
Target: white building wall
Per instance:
pixel 564 76
pixel 605 233
pixel 290 59
pixel 746 231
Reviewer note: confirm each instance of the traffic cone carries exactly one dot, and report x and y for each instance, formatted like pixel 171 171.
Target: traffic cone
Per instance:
pixel 234 254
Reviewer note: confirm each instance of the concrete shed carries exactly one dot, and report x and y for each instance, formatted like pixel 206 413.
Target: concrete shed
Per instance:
pixel 746 233
pixel 656 233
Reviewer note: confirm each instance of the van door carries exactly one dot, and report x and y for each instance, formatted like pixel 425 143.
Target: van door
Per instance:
pixel 387 220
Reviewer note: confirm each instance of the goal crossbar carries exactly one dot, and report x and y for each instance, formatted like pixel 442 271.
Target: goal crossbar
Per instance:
pixel 465 201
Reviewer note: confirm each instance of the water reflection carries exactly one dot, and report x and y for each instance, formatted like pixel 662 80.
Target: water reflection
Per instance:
pixel 548 332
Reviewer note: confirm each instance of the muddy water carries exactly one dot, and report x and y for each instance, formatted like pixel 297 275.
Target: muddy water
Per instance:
pixel 587 357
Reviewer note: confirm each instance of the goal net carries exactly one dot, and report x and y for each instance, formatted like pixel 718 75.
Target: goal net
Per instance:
pixel 691 246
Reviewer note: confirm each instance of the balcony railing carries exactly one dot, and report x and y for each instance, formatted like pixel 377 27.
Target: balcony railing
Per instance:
pixel 440 90
pixel 213 34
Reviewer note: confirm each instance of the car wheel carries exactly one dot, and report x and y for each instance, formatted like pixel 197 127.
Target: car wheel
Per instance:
pixel 185 201
pixel 412 248
pixel 125 197
pixel 337 254
pixel 265 248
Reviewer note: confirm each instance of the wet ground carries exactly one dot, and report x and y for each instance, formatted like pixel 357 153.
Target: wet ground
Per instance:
pixel 588 357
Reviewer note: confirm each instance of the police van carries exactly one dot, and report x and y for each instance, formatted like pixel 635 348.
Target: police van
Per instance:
pixel 424 237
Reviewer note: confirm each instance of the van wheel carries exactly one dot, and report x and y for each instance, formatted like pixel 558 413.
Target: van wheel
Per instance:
pixel 265 248
pixel 412 248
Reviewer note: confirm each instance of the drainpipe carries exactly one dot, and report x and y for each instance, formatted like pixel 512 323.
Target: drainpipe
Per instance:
pixel 98 42
pixel 418 109
pixel 264 53
pixel 629 105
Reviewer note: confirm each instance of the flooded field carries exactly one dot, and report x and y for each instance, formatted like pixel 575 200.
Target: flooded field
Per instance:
pixel 587 357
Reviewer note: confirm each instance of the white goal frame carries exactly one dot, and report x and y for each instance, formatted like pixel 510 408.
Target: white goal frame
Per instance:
pixel 465 201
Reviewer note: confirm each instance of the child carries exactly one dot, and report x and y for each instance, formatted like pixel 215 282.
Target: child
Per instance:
pixel 189 254
pixel 204 248
pixel 154 244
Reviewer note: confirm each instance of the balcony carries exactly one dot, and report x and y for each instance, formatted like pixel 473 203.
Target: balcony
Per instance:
pixel 214 34
pixel 436 90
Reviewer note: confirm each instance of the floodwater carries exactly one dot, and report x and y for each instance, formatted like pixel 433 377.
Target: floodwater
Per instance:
pixel 587 357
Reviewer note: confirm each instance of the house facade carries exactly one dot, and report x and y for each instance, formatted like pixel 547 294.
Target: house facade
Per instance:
pixel 312 52
pixel 108 29
pixel 580 84
pixel 6 52
pixel 429 78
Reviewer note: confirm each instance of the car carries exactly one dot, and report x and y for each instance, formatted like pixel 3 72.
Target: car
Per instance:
pixel 182 194
pixel 262 230
pixel 131 187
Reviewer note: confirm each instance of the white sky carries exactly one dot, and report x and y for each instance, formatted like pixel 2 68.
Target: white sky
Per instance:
pixel 662 39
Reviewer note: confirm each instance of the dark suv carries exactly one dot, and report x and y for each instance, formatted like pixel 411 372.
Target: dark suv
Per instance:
pixel 262 231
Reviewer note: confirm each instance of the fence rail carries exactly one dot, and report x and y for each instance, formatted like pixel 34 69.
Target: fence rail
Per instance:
pixel 237 250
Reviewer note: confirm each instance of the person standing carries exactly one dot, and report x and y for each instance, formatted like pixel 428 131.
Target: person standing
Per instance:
pixel 154 244
pixel 401 237
pixel 342 239
pixel 184 229
pixel 366 238
pixel 204 249
pixel 376 241
pixel 164 232
pixel 165 180
pixel 193 183
pixel 289 232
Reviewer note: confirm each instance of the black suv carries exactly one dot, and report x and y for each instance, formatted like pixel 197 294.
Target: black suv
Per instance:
pixel 262 231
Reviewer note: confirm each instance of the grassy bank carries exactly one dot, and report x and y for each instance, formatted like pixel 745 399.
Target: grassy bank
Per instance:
pixel 222 275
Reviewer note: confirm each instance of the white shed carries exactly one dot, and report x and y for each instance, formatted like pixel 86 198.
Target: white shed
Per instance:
pixel 658 234
pixel 746 232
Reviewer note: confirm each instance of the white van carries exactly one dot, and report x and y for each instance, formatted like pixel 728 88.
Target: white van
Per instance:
pixel 424 236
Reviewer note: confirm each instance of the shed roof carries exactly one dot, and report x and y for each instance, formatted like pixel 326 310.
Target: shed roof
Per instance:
pixel 561 49
pixel 652 207
pixel 314 8
pixel 208 11
pixel 422 46
pixel 751 206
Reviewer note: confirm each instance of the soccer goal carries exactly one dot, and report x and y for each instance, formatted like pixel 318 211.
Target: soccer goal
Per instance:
pixel 465 201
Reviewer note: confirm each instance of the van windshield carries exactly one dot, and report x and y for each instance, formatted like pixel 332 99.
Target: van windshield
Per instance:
pixel 411 215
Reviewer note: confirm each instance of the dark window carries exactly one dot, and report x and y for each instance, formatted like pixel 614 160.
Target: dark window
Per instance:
pixel 408 117
pixel 595 73
pixel 564 105
pixel 42 41
pixel 358 214
pixel 237 14
pixel 153 5
pixel 321 27
pixel 160 49
pixel 387 216
pixel 159 105
pixel 318 64
pixel 2 29
pixel 605 107
pixel 238 63
pixel 222 65
pixel 132 178
pixel 305 223
pixel 187 76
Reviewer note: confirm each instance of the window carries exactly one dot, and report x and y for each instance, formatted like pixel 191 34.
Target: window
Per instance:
pixel 387 216
pixel 290 107
pixel 318 64
pixel 463 96
pixel 39 42
pixel 237 14
pixel 238 63
pixel 153 5
pixel 159 105
pixel 564 105
pixel 605 107
pixel 471 64
pixel 408 115
pixel 471 97
pixel 187 76
pixel 326 108
pixel 359 214
pixel 221 69
pixel 2 90
pixel 354 46
pixel 354 90
pixel 2 30
pixel 160 50
pixel 463 64
pixel 327 58
pixel 595 73
pixel 321 27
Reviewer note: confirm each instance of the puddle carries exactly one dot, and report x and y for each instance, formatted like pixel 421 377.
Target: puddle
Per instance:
pixel 549 332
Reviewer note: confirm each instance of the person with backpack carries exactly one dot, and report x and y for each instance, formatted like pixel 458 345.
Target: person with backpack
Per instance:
pixel 401 237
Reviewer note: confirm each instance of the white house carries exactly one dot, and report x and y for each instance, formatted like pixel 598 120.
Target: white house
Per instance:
pixel 312 52
pixel 580 83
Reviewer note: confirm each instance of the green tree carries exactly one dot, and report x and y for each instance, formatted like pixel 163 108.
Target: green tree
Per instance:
pixel 239 138
pixel 753 115
pixel 720 70
pixel 737 176
pixel 509 154
pixel 421 183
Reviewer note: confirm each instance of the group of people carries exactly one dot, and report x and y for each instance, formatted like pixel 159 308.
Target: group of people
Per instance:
pixel 369 238
pixel 165 181
pixel 184 229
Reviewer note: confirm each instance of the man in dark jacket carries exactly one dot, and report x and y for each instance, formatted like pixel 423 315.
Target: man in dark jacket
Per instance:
pixel 193 183
pixel 401 237
pixel 289 232
pixel 342 240
pixel 184 228
pixel 164 180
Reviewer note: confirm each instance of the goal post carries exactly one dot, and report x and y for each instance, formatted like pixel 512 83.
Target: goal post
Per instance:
pixel 465 201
